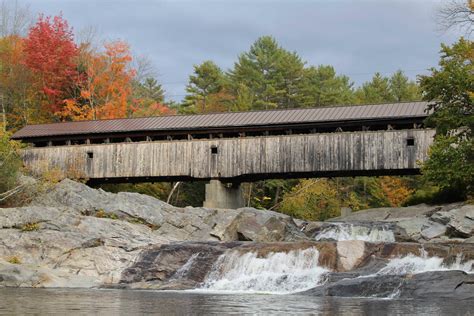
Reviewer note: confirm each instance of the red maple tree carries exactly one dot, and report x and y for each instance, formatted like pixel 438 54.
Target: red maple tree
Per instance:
pixel 50 52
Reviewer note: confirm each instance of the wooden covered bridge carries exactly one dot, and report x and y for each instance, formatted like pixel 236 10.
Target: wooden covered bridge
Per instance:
pixel 235 147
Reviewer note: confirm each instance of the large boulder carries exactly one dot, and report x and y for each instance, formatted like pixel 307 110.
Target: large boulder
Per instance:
pixel 174 223
pixel 428 285
pixel 93 235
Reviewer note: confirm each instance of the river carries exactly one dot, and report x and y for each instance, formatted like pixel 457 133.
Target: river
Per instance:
pixel 27 301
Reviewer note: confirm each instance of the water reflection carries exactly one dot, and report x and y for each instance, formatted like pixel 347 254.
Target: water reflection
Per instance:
pixel 118 302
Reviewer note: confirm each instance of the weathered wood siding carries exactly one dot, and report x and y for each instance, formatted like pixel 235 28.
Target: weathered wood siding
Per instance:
pixel 276 155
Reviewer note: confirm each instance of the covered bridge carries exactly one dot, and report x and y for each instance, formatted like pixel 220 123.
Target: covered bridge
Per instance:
pixel 234 147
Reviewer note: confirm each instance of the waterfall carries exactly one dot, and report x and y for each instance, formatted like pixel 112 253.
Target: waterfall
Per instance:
pixel 183 271
pixel 345 231
pixel 412 264
pixel 276 272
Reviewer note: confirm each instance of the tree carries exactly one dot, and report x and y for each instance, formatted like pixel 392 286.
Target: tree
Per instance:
pixel 106 87
pixel 206 80
pixel 312 200
pixel 51 54
pixel 14 21
pixel 10 164
pixel 375 91
pixel 457 14
pixel 15 85
pixel 14 18
pixel 148 99
pixel 402 89
pixel 450 91
pixel 321 86
pixel 150 89
pixel 271 74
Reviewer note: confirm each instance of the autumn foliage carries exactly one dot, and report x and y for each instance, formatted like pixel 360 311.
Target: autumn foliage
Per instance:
pixel 50 53
pixel 45 76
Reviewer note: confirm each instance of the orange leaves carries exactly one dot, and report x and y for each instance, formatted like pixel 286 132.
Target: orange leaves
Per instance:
pixel 150 108
pixel 395 190
pixel 108 84
pixel 72 110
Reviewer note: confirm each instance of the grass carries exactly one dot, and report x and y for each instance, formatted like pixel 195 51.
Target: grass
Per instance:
pixel 29 227
pixel 14 260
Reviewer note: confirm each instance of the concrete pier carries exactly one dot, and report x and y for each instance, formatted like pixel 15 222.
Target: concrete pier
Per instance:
pixel 223 195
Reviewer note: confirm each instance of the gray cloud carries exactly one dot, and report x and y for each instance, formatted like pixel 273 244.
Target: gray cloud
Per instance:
pixel 357 37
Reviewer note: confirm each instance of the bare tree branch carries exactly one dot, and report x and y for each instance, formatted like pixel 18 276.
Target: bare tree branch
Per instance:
pixel 172 191
pixel 14 18
pixel 144 68
pixel 456 14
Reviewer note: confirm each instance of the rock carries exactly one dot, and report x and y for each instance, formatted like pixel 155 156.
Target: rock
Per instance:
pixel 440 284
pixel 461 223
pixel 442 217
pixel 469 240
pixel 428 285
pixel 350 254
pixel 376 286
pixel 171 222
pixel 311 228
pixel 76 236
pixel 77 233
pixel 178 266
pixel 410 229
pixel 433 231
pixel 388 213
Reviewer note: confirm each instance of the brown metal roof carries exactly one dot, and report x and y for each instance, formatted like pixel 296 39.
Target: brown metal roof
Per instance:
pixel 229 120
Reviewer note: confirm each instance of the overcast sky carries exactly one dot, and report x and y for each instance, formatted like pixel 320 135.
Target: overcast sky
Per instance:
pixel 357 37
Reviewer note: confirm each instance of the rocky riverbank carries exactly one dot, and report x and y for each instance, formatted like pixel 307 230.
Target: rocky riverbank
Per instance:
pixel 76 236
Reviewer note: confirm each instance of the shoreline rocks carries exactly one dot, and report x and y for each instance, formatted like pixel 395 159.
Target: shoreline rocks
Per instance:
pixel 77 236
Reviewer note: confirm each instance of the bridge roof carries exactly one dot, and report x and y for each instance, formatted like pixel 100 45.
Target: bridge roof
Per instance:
pixel 226 120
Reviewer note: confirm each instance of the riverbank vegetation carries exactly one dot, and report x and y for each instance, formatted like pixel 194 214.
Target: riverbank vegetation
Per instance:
pixel 50 74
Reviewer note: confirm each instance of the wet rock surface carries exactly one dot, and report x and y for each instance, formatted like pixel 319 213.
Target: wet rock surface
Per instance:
pixel 440 284
pixel 162 267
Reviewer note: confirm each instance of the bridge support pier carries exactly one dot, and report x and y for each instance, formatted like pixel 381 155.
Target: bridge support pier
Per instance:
pixel 221 195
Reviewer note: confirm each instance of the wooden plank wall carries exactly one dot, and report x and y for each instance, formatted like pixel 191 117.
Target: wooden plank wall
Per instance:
pixel 345 151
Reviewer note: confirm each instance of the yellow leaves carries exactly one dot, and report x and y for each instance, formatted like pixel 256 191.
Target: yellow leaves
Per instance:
pixel 320 199
pixel 72 110
pixel 395 190
pixel 313 199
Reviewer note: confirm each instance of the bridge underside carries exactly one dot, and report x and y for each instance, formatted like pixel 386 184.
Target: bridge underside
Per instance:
pixel 260 177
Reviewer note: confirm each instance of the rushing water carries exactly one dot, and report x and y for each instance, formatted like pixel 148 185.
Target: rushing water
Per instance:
pixel 346 231
pixel 412 264
pixel 16 301
pixel 279 273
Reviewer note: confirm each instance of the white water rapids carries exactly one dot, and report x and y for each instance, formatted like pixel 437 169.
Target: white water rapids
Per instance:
pixel 278 272
pixel 345 231
pixel 412 264
pixel 298 270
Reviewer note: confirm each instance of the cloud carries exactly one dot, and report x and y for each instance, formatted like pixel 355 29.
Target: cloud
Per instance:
pixel 357 37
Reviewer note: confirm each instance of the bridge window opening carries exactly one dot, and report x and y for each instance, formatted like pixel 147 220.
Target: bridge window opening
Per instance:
pixel 410 141
pixel 214 150
pixel 90 155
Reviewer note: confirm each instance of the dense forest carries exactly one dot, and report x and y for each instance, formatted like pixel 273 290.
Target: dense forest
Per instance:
pixel 50 74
